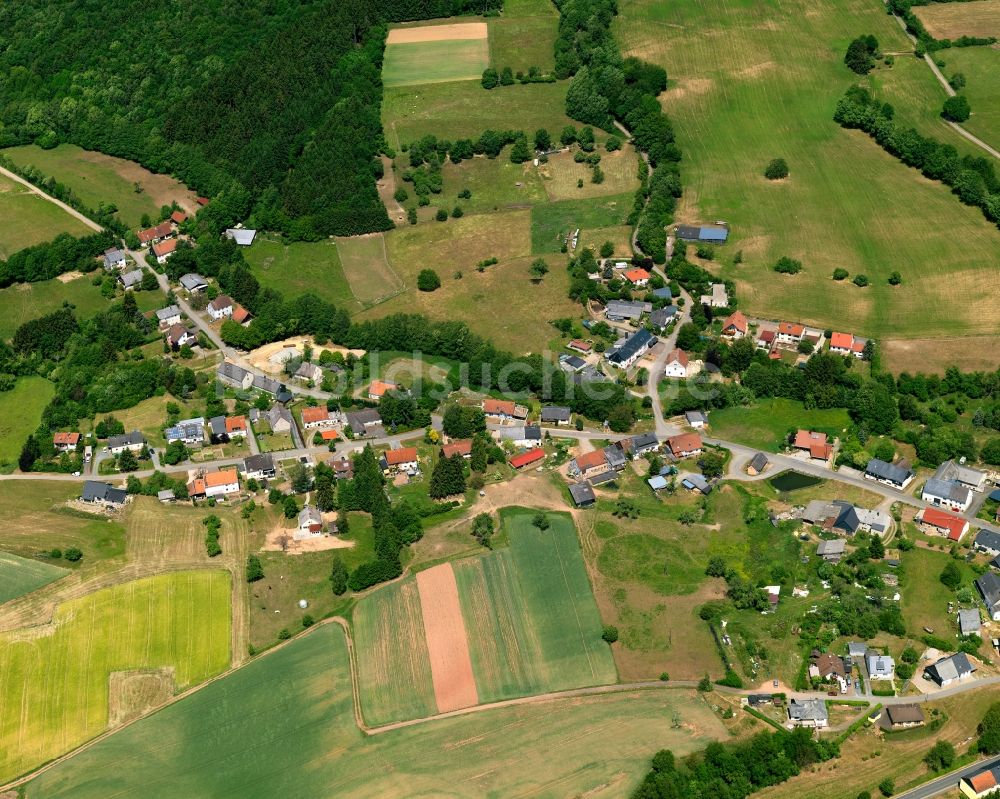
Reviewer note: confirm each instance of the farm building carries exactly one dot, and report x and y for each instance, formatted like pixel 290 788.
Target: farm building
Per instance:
pixel 757 465
pixel 973 479
pixel 527 458
pixel 633 348
pixel 831 551
pixel 947 494
pixel 969 622
pixel 235 376
pixel 950 669
pixel 582 495
pixel 903 717
pixel 939 522
pixel 623 310
pixel 555 414
pixel 243 237
pixel 589 464
pixel 521 436
pixel 364 421
pixel 706 234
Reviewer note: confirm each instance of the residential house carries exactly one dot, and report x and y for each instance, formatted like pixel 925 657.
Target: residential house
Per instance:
pixel 757 465
pixel 633 348
pixel 309 372
pixel 342 467
pixel 588 464
pixel 130 280
pixel 867 521
pixel 947 494
pixel 528 458
pixel 880 667
pixel 259 467
pixel 378 389
pixel 696 419
pixel 828 666
pixel 329 435
pixel 190 431
pixel 789 333
pixel 154 234
pixel 555 414
pixel 973 479
pixel 521 436
pixel 940 522
pixel 133 441
pixel 177 336
pixel 902 717
pixel 677 364
pixel 816 444
pixel 98 493
pixel 637 277
pixel 316 417
pixel 196 488
pixel 178 217
pixel 950 669
pixel 662 317
pixel 643 443
pixel 765 340
pixel 272 387
pixel 831 551
pixel 571 363
pixel 710 234
pixel 987 541
pixel 685 445
pixel 114 259
pixel 717 298
pixel 217 430
pixel 982 783
pixel 235 376
pixel 969 622
pixel 171 315
pixel 847 344
pixel 696 482
pixel 808 713
pixel 583 347
pixel 242 236
pixel 279 418
pixel 614 454
pixel 193 283
pixel 164 249
pixel 310 522
pixel 989 588
pixel 65 442
pixel 500 411
pixel 582 495
pixel 236 426
pixel 626 310
pixel 735 325
pixel 222 482
pixel 890 474
pixel 462 447
pixel 220 308
pixel 363 421
pixel 403 459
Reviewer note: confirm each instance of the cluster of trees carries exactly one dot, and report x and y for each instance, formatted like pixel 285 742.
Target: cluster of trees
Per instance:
pixel 507 77
pixel 448 477
pixel 861 54
pixel 51 259
pixel 926 42
pixel 212 526
pixel 972 179
pixel 741 592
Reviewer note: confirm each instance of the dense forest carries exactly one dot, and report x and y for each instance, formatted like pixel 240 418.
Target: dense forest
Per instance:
pixel 274 103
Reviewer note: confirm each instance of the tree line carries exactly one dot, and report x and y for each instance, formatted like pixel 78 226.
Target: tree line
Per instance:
pixel 53 258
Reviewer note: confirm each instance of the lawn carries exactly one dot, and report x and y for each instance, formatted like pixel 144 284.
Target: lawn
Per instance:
pixel 27 219
pixel 562 175
pixel 552 222
pixel 766 424
pixel 416 63
pixel 300 268
pixel 530 614
pixel 393 665
pixel 980 65
pixel 524 36
pixel 23 302
pixel 20 412
pixel 58 675
pixel 20 576
pixel 754 81
pixel 980 18
pixel 464 109
pixel 925 599
pixel 367 268
pixel 496 185
pixel 97 178
pixel 303 741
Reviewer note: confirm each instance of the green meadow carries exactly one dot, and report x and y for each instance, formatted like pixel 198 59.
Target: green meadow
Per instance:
pixel 20 576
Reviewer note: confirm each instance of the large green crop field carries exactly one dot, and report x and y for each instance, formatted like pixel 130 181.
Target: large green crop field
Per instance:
pixel 301 267
pixel 23 302
pixel 530 614
pixel 980 66
pixel 27 219
pixel 97 178
pixel 284 725
pixel 54 695
pixel 20 412
pixel 751 81
pixel 20 576
pixel 417 63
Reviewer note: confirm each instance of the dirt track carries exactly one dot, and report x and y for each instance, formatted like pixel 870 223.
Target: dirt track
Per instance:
pixel 438 33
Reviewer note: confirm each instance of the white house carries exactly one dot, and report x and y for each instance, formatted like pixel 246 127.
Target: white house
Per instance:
pixel 220 308
pixel 880 667
pixel 171 315
pixel 947 494
pixel 114 259
pixel 133 441
pixel 222 482
pixel 677 364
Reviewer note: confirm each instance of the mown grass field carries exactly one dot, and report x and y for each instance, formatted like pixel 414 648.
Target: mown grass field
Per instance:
pixel 524 36
pixel 300 268
pixel 530 614
pixel 464 109
pixel 367 268
pixel 496 184
pixel 551 222
pixel 980 18
pixel 54 693
pixel 20 412
pixel 754 81
pixel 980 65
pixel 27 219
pixel 98 178
pixel 562 175
pixel 925 599
pixel 20 576
pixel 23 302
pixel 394 669
pixel 285 724
pixel 765 425
pixel 416 63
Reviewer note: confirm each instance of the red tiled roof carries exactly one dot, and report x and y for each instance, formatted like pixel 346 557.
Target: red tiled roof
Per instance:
pixel 463 448
pixel 636 275
pixel 525 458
pixel 240 314
pixel 820 451
pixel 221 478
pixel 394 457
pixel 841 341
pixel 196 487
pixel 736 321
pixel 317 414
pixel 983 781
pixel 329 435
pixel 805 439
pixel 679 356
pixel 953 525
pixel 164 247
pixel 591 460
pixel 686 442
pixel 66 439
pixel 584 346
pixel 495 406
pixel 179 216
pixel 858 345
pixel 234 423
pixel 767 336
pixel 203 201
pixel 160 231
pixel 790 328
pixel 378 388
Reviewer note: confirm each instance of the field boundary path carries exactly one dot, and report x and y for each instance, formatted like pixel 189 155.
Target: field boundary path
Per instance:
pixel 35 190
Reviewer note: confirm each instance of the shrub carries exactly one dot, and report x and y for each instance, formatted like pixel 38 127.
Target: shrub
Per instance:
pixel 861 280
pixel 840 273
pixel 788 266
pixel 705 684
pixel 441 215
pixel 777 169
pixel 72 554
pixel 664 676
pixel 941 756
pixel 956 109
pixel 457 212
pixel 428 279
pixel 887 786
pixel 255 569
pixel 895 279
pixel 610 634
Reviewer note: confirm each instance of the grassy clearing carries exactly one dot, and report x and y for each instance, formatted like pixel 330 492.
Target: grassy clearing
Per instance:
pixel 925 599
pixel 58 675
pixel 619 235
pixel 416 63
pixel 27 219
pixel 97 178
pixel 301 267
pixel 367 269
pixel 393 665
pixel 594 746
pixel 20 412
pixel 980 65
pixel 562 175
pixel 496 184
pixel 20 576
pixel 524 36
pixel 551 222
pixel 767 423
pixel 981 18
pixel 23 302
pixel 149 417
pixel 758 81
pixel 530 614
pixel 464 109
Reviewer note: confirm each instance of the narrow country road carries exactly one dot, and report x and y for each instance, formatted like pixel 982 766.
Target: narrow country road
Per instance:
pixel 34 189
pixel 948 782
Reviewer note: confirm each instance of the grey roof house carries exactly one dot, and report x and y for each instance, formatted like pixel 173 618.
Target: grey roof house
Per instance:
pixel 232 375
pixel 114 258
pixel 987 541
pixel 361 421
pixel 169 315
pixel 947 494
pixel 620 310
pixel 808 713
pixel 888 473
pixel 645 442
pixel 193 282
pixel 100 493
pixel 880 667
pixel 130 280
pixel 969 622
pixel 962 474
pixel 582 494
pixel 259 466
pixel 831 551
pixel 950 669
pixel 989 588
pixel 633 348
pixel 555 414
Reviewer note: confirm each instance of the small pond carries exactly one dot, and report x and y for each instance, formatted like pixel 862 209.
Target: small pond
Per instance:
pixel 792 481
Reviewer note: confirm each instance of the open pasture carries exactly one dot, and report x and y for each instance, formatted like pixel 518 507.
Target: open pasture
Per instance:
pixel 294 706
pixel 97 178
pixel 365 262
pixel 23 302
pixel 550 223
pixel 766 425
pixel 54 695
pixel 27 219
pixel 980 66
pixel 496 184
pixel 20 576
pixel 562 175
pixel 524 36
pixel 754 82
pixel 301 267
pixel 20 412
pixel 953 20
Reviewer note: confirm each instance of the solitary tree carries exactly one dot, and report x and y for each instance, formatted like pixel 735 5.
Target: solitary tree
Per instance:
pixel 776 170
pixel 895 279
pixel 338 576
pixel 860 56
pixel 543 141
pixel 956 109
pixel 951 575
pixel 538 269
pixel 255 570
pixel 428 279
